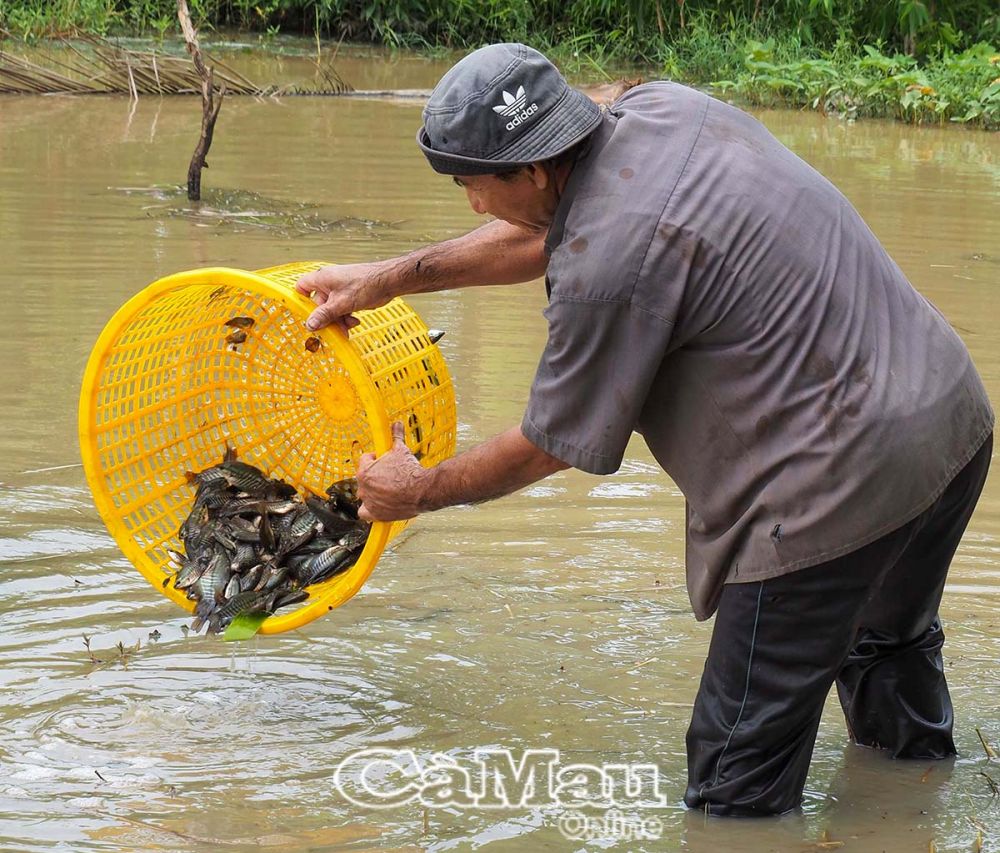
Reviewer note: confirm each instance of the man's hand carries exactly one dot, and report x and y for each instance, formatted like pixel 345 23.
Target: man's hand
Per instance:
pixel 396 486
pixel 339 290
pixel 391 487
pixel 495 253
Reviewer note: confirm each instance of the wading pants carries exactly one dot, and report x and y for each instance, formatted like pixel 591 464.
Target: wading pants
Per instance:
pixel 867 620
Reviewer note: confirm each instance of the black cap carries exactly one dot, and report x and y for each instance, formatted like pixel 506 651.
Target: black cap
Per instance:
pixel 502 106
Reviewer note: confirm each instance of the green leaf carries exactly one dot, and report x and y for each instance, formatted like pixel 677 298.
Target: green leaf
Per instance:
pixel 244 626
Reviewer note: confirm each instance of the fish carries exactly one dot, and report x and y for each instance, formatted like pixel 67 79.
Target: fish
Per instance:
pixel 325 565
pixel 244 602
pixel 245 477
pixel 329 514
pixel 251 577
pixel 242 530
pixel 233 588
pixel 244 556
pixel 211 584
pixel 345 494
pixel 415 429
pixel 302 521
pixel 252 543
pixel 237 336
pixel 336 559
pixel 188 575
pixel 239 322
pixel 313 343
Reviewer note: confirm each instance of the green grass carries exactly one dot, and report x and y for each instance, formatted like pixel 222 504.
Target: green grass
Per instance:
pixel 855 81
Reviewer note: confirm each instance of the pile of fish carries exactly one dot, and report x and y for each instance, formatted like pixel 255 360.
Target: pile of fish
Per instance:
pixel 252 544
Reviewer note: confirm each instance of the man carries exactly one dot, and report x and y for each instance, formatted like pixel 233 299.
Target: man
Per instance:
pixel 712 291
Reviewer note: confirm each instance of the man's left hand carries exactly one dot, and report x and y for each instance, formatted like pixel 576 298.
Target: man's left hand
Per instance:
pixel 391 486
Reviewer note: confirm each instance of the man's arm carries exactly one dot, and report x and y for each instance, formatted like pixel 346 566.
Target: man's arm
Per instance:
pixel 396 486
pixel 495 253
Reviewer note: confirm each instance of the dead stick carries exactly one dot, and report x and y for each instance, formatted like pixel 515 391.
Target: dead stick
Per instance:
pixel 986 747
pixel 210 105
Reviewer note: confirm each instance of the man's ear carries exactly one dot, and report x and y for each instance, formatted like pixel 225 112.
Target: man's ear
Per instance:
pixel 538 174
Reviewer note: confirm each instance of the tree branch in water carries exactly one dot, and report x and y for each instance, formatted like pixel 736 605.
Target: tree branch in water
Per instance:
pixel 210 103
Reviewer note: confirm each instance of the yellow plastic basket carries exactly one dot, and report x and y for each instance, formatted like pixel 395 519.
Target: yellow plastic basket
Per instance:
pixel 164 394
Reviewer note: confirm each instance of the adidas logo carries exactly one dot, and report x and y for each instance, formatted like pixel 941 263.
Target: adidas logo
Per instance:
pixel 513 105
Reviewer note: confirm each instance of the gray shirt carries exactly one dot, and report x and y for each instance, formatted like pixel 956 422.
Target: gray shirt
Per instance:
pixel 714 292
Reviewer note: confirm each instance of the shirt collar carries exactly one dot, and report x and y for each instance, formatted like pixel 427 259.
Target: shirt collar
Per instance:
pixel 584 163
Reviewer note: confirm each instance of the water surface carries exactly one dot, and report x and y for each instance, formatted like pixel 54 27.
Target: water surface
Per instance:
pixel 555 618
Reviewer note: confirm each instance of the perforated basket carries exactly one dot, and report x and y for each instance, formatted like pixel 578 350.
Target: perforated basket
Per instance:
pixel 164 393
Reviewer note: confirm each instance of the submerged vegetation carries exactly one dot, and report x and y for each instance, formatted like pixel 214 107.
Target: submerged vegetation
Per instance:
pixel 915 60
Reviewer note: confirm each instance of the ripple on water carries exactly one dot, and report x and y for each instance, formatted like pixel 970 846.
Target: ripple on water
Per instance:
pixel 203 726
pixel 534 621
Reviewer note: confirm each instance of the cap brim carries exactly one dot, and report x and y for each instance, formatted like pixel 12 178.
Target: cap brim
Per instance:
pixel 566 123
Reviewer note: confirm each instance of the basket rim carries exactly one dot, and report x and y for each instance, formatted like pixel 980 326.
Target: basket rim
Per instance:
pixel 339 589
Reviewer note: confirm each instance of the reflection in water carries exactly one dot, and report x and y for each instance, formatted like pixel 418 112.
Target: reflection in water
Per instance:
pixel 555 618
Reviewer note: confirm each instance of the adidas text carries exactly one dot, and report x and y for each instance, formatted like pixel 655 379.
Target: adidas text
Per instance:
pixel 524 115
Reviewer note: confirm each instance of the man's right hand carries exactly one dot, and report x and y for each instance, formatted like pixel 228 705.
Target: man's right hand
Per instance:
pixel 338 291
pixel 495 253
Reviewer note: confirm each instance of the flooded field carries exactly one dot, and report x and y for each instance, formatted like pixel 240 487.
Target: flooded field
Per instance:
pixel 554 619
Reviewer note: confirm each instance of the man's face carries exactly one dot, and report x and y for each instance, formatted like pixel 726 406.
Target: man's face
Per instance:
pixel 527 199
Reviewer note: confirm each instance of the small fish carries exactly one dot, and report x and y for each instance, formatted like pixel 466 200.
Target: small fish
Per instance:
pixel 313 343
pixel 251 543
pixel 337 559
pixel 245 477
pixel 276 578
pixel 240 322
pixel 251 577
pixel 333 519
pixel 233 588
pixel 294 596
pixel 212 583
pixel 197 540
pixel 244 602
pixel 415 429
pixel 188 575
pixel 244 556
pixel 432 376
pixel 303 521
pixel 237 336
pixel 328 564
pixel 242 530
pixel 356 539
pixel 344 493
pixel 267 538
pixel 204 477
pixel 220 536
pixel 212 494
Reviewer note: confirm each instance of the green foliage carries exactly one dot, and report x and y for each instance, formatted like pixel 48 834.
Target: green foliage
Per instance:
pixel 959 87
pixel 630 30
pixel 244 626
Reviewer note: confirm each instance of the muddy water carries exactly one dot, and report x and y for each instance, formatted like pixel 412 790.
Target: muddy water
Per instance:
pixel 554 619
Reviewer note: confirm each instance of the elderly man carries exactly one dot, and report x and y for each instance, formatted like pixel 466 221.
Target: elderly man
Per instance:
pixel 710 290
